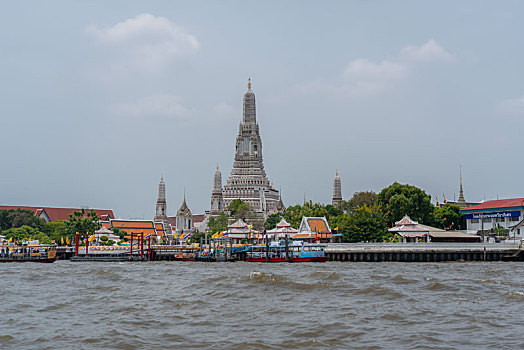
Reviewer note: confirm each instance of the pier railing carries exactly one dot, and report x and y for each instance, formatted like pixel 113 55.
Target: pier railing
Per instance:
pixel 421 246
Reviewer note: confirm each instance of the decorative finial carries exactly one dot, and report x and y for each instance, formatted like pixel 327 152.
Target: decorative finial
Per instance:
pixel 217 166
pixel 249 83
pixel 337 172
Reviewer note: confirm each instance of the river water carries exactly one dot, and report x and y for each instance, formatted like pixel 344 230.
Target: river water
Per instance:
pixel 262 306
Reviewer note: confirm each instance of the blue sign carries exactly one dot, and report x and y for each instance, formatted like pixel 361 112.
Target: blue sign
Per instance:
pixel 498 214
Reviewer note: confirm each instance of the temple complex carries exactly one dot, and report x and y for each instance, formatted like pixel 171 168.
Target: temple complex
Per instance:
pixel 248 180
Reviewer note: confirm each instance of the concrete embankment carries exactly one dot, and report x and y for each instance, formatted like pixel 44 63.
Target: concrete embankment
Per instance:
pixel 424 252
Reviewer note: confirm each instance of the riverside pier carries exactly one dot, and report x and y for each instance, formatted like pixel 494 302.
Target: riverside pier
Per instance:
pixel 343 252
pixel 424 252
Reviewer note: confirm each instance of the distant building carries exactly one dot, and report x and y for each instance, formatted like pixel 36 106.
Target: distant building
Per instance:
pixel 411 231
pixel 147 227
pixel 184 219
pixel 461 202
pixel 161 203
pixel 337 191
pixel 282 230
pixel 51 214
pixel 248 180
pixel 504 213
pixel 313 228
pixel 217 200
pixel 239 231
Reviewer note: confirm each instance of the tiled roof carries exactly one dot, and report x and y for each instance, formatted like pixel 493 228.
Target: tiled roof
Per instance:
pixel 406 220
pixel 198 218
pixel 409 228
pixel 135 226
pixel 172 220
pixel 283 223
pixel 238 224
pixel 57 214
pixel 317 225
pixel 496 204
pixel 132 224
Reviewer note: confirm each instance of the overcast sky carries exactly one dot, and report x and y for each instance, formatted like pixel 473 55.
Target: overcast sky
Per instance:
pixel 99 98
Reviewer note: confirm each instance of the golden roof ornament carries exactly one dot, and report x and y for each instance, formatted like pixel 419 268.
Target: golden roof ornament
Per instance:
pixel 249 83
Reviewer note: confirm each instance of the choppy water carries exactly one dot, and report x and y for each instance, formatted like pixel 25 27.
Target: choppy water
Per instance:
pixel 262 306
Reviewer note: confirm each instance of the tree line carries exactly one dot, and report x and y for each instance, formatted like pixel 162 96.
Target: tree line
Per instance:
pixel 365 217
pixel 21 225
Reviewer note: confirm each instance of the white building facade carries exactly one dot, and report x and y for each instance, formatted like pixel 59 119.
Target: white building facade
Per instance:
pixel 503 213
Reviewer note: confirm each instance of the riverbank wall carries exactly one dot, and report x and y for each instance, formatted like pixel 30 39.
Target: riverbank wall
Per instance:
pixel 424 252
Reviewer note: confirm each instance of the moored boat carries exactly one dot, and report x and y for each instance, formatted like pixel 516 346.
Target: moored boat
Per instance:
pixel 28 253
pixel 296 251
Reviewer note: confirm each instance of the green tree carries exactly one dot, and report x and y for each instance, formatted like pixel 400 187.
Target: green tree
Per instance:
pixel 398 200
pixel 83 223
pixel 239 209
pixel 272 221
pixel 20 217
pixel 218 223
pixel 364 224
pixel 449 217
pixel 359 199
pixel 294 214
pixel 56 230
pixel 195 237
pixel 25 232
pixel 118 232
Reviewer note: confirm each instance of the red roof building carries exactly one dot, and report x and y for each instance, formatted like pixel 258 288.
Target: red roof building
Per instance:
pixel 51 214
pixel 484 218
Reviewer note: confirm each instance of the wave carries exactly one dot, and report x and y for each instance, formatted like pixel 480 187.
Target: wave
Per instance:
pixel 515 296
pixel 277 280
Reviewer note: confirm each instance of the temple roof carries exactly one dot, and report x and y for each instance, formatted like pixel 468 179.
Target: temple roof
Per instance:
pixel 184 209
pixel 283 223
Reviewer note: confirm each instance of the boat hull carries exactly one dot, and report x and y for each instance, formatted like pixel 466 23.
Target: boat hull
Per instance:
pixel 47 261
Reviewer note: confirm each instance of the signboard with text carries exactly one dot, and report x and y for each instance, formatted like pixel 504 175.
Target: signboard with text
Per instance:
pixel 498 214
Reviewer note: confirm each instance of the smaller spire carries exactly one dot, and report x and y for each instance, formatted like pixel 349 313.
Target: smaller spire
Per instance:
pixel 249 83
pixel 217 166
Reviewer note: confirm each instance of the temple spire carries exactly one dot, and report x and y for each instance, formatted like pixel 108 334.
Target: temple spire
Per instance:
pixel 161 204
pixel 217 203
pixel 337 190
pixel 461 202
pixel 249 106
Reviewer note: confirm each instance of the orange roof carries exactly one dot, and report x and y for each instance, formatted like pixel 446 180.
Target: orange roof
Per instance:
pixel 160 229
pixel 317 225
pixel 132 224
pixel 137 226
pixel 105 224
